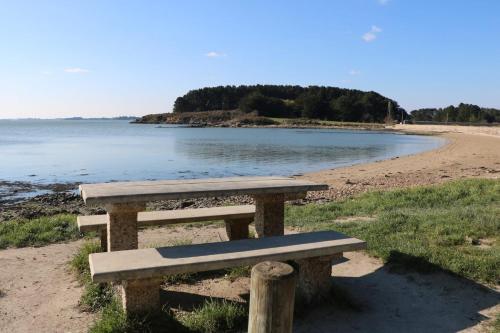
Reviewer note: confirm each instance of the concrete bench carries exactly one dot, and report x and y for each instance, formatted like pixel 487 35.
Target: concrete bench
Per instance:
pixel 141 271
pixel 236 218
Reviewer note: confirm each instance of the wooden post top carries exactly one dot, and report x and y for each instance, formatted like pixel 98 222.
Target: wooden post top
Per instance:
pixel 129 192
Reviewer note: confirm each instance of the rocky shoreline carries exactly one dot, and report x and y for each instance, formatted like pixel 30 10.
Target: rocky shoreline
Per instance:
pixel 236 118
pixel 68 201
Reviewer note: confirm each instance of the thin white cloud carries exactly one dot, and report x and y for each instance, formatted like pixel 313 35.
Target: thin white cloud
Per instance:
pixel 76 70
pixel 354 72
pixel 371 35
pixel 46 72
pixel 383 2
pixel 213 54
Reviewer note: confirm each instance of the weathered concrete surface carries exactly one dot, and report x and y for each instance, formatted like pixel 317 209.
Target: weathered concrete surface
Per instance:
pixel 237 228
pixel 315 279
pixel 141 296
pixel 155 262
pixel 97 222
pixel 269 215
pixel 122 226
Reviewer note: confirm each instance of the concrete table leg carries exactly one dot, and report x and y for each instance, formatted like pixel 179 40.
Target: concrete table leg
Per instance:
pixel 315 278
pixel 237 228
pixel 269 215
pixel 104 240
pixel 122 226
pixel 141 296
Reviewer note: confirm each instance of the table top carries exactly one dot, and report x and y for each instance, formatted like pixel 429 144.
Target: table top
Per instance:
pixel 129 192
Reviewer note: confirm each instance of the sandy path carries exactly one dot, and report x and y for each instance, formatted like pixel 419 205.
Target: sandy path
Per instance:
pixel 464 156
pixel 39 293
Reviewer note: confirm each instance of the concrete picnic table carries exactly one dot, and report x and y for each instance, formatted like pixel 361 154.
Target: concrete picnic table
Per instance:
pixel 123 200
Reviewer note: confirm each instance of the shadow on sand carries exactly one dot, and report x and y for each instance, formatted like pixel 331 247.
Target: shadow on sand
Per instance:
pixel 371 297
pixel 397 299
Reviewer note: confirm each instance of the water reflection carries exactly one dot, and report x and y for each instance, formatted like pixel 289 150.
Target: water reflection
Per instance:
pixel 95 151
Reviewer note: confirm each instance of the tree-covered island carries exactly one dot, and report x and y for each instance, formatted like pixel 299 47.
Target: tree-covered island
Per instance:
pixel 260 104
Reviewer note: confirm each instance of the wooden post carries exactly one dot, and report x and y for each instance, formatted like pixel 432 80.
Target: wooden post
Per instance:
pixel 122 226
pixel 269 215
pixel 272 294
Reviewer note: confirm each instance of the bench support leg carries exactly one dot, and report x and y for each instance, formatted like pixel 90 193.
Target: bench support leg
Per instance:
pixel 122 226
pixel 315 277
pixel 237 229
pixel 104 240
pixel 141 296
pixel 269 215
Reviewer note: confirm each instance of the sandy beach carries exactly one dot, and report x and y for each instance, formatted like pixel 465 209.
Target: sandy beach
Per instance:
pixel 462 156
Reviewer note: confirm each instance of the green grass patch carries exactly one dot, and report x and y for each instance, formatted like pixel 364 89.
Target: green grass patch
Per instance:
pixel 114 320
pixel 213 316
pixel 454 227
pixel 80 261
pixel 216 316
pixel 496 324
pixel 237 272
pixel 39 231
pixel 95 296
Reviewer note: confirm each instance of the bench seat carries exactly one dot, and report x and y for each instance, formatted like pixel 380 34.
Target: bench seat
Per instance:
pixel 236 218
pixel 157 262
pixel 141 272
pixel 145 219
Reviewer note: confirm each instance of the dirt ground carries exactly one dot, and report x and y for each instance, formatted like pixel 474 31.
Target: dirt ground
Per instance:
pixel 39 293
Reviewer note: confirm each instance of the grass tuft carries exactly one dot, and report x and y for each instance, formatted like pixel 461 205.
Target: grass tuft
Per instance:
pixel 213 316
pixel 496 324
pixel 95 296
pixel 80 261
pixel 237 272
pixel 39 231
pixel 216 316
pixel 114 320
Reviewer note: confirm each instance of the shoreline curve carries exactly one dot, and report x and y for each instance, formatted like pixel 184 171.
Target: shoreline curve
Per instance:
pixel 464 155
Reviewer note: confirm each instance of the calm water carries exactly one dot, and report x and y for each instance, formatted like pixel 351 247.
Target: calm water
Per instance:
pixel 50 151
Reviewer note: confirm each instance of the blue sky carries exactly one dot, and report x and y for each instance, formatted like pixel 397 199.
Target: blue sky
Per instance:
pixel 106 58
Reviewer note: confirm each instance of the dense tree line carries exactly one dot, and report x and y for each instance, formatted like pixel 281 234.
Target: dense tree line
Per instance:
pixel 288 101
pixel 461 114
